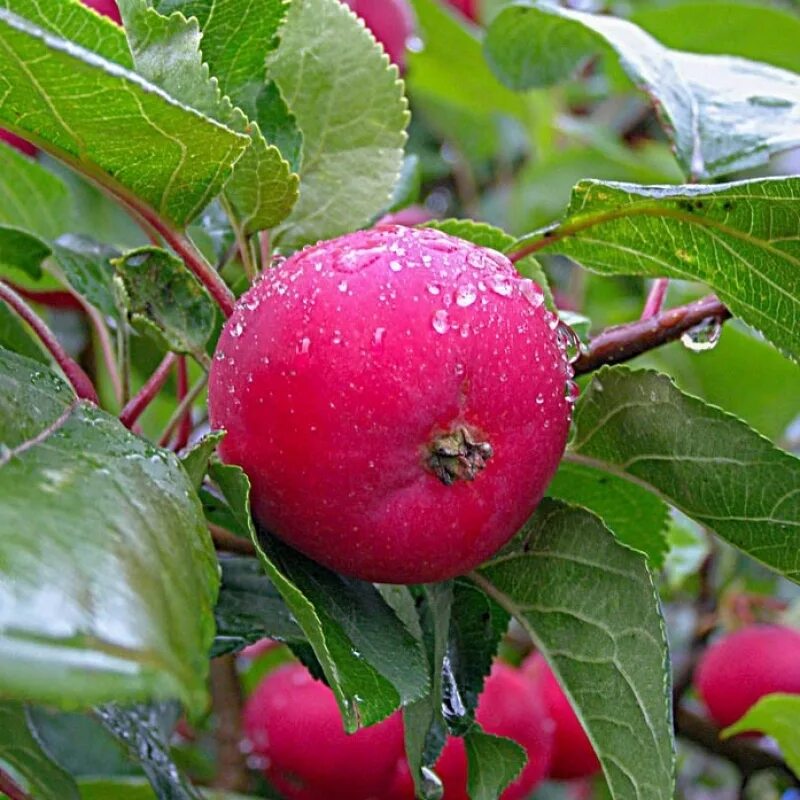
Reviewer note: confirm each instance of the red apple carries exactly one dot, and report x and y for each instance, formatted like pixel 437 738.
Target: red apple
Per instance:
pixel 108 8
pixel 293 722
pixel 573 754
pixel 469 8
pixel 740 668
pixel 397 399
pixel 409 216
pixel 391 23
pixel 15 141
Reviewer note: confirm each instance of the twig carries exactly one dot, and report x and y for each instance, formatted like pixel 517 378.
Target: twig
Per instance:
pixel 265 248
pixel 245 253
pixel 182 408
pixel 106 348
pixel 229 542
pixel 655 300
pixel 10 788
pixel 226 700
pixel 72 371
pixel 747 756
pixel 185 427
pixel 139 402
pixel 624 342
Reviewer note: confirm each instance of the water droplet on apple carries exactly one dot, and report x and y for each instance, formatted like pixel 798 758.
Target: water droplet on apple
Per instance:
pixel 440 321
pixel 466 295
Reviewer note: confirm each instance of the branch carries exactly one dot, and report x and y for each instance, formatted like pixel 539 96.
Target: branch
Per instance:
pixel 744 753
pixel 229 542
pixel 185 427
pixel 623 342
pixel 74 374
pixel 10 788
pixel 226 700
pixel 655 300
pixel 139 402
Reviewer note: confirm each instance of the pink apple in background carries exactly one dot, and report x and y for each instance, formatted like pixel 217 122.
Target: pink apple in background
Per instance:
pixel 469 8
pixel 391 23
pixel 107 8
pixel 408 216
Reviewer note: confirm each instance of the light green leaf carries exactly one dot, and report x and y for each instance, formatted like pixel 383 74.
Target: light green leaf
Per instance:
pixel 22 251
pixel 166 300
pixel 637 517
pixel 739 238
pixel 31 198
pixel 590 605
pixel 494 761
pixel 23 756
pixel 171 158
pixel 86 265
pixel 487 235
pixel 370 660
pixel 108 575
pixel 195 461
pixel 167 52
pixel 724 114
pixel 138 789
pixel 349 104
pixel 750 30
pixel 14 336
pixel 778 716
pixel 710 465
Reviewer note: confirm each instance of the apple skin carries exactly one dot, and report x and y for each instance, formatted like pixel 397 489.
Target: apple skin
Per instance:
pixel 340 375
pixel 391 23
pixel 293 722
pixel 408 216
pixel 469 8
pixel 108 8
pixel 573 754
pixel 510 706
pixel 739 669
pixel 20 144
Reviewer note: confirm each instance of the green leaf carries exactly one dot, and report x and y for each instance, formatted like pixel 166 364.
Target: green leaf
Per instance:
pixel 108 575
pixel 590 605
pixel 250 608
pixel 494 761
pixel 723 114
pixel 22 251
pixel 349 104
pixel 14 336
pixel 639 426
pixel 138 789
pixel 22 755
pixel 739 238
pixel 750 30
pixel 86 265
pixel 637 517
pixel 370 660
pixel 195 461
pixel 144 733
pixel 778 716
pixel 165 299
pixel 487 235
pixel 31 198
pixel 167 52
pixel 173 159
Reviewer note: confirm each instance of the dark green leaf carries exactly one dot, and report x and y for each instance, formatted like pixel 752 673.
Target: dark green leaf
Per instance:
pixel 108 575
pixel 723 114
pixel 22 251
pixel 370 660
pixel 31 765
pixel 166 300
pixel 171 158
pixel 634 515
pixel 707 463
pixel 590 605
pixel 349 104
pixel 86 265
pixel 138 789
pixel 195 461
pixel 144 732
pixel 250 608
pixel 488 236
pixel 494 762
pixel 739 238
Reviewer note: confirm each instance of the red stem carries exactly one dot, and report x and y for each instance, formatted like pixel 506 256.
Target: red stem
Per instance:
pixel 185 427
pixel 74 374
pixel 139 402
pixel 655 300
pixel 623 342
pixel 10 788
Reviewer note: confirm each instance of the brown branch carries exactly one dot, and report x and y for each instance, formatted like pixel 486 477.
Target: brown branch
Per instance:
pixel 229 542
pixel 623 342
pixel 73 372
pixel 10 788
pixel 226 700
pixel 742 752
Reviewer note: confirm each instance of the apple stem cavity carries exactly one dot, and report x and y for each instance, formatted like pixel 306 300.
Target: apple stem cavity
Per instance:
pixel 457 455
